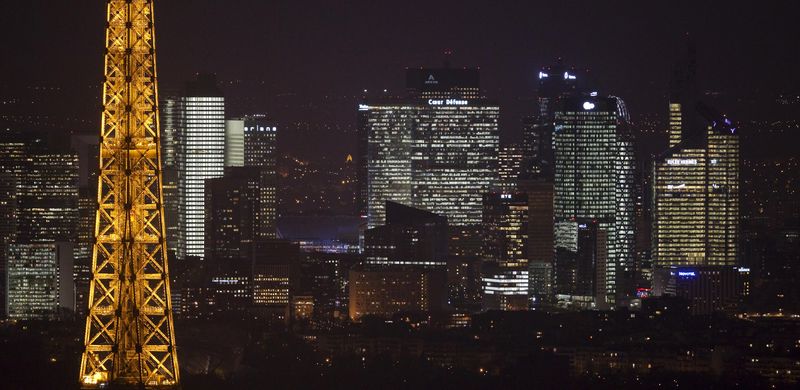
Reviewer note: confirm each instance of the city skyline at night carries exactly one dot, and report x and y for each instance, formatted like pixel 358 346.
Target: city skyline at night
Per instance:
pixel 400 195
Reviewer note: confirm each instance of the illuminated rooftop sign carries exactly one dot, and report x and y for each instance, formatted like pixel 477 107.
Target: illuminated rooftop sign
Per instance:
pixel 588 105
pixel 682 161
pixel 687 274
pixel 447 102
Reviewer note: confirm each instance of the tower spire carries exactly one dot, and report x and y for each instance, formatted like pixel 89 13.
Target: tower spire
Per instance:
pixel 129 338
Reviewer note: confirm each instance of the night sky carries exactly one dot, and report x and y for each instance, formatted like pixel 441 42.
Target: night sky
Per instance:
pixel 321 51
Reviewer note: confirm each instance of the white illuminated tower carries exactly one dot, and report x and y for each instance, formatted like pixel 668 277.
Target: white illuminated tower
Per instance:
pixel 201 156
pixel 437 149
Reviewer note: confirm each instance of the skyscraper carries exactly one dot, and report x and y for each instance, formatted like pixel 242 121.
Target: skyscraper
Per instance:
pixel 505 251
pixel 260 150
pixel 556 82
pixel 40 281
pixel 510 167
pixel 696 201
pixel 540 240
pixel 436 149
pixel 234 142
pixel 201 156
pixel 232 203
pixel 593 180
pixel 39 182
pixel 696 181
pixel 170 122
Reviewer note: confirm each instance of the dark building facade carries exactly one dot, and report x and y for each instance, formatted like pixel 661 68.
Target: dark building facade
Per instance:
pixel 231 216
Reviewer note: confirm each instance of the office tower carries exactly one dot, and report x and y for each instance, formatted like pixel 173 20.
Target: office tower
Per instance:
pixel 592 183
pixel 436 149
pixel 232 202
pixel 10 152
pixel 510 167
pixel 251 141
pixel 383 292
pixel 695 198
pixel 39 188
pixel 40 281
pixel 412 243
pixel 88 150
pixel 696 182
pixel 540 240
pixel 234 142
pixel 387 159
pixel 201 156
pixel 170 121
pixel 581 262
pixel 260 150
pixel 129 338
pixel 556 82
pixel 47 197
pixel 505 251
pixel 411 237
pixel 274 276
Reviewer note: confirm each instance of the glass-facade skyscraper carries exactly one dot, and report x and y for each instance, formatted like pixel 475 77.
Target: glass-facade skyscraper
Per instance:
pixel 696 181
pixel 437 149
pixel 201 156
pixel 696 201
pixel 593 185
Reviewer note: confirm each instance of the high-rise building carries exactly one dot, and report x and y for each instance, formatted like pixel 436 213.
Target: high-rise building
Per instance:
pixel 260 150
pixel 47 197
pixel 234 142
pixel 39 189
pixel 556 82
pixel 540 240
pixel 11 152
pixel 510 167
pixel 251 141
pixel 40 281
pixel 696 182
pixel 505 251
pixel 170 122
pixel 436 149
pixel 201 156
pixel 593 182
pixel 88 151
pixel 696 202
pixel 231 202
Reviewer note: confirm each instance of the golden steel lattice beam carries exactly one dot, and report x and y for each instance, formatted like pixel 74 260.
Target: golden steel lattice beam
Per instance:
pixel 130 338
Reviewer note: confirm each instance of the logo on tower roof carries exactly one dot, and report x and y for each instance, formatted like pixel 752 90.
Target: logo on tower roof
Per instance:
pixel 431 80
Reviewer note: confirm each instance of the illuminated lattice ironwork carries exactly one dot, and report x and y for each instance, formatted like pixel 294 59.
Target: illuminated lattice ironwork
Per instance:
pixel 130 337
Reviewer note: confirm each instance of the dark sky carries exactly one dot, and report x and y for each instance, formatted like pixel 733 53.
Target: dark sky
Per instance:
pixel 747 50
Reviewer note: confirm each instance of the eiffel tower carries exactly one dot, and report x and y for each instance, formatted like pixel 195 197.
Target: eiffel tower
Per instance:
pixel 130 338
